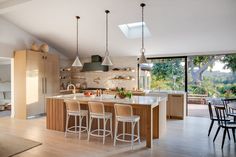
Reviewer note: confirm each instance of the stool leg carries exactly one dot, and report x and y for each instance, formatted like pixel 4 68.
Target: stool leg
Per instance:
pixel 138 131
pixel 80 125
pixel 98 126
pixel 111 128
pixel 104 129
pixel 123 130
pixel 67 122
pixel 90 124
pixel 132 135
pixel 87 125
pixel 116 126
pixel 75 124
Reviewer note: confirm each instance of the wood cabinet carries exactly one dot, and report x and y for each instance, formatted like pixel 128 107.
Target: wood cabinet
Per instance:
pixel 176 106
pixel 36 76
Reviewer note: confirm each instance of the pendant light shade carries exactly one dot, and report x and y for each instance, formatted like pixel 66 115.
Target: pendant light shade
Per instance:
pixel 142 58
pixel 77 62
pixel 107 59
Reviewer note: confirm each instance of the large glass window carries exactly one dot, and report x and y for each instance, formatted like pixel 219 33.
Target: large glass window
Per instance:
pixel 163 74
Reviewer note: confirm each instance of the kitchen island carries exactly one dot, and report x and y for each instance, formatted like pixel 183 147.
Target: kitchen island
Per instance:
pixel 152 112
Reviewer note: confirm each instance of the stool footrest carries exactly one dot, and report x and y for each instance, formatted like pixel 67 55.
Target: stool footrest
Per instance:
pixel 107 133
pixel 125 134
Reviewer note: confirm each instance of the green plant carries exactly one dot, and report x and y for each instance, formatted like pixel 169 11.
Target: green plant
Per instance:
pixel 122 93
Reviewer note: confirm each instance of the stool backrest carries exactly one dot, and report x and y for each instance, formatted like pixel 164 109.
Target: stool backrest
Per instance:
pixel 226 102
pixel 72 105
pixel 96 108
pixel 123 110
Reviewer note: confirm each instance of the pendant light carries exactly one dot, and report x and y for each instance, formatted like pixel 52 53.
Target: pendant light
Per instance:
pixel 77 62
pixel 107 60
pixel 142 58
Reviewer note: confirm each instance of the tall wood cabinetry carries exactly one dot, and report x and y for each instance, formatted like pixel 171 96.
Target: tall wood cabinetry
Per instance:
pixel 36 76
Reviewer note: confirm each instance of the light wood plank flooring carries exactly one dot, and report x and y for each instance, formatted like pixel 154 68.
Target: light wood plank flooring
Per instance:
pixel 182 139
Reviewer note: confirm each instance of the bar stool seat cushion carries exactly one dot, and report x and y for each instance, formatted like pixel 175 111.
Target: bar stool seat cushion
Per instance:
pixel 78 113
pixel 133 118
pixel 106 115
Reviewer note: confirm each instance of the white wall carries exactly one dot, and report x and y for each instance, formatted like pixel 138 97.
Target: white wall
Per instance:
pixel 5 72
pixel 13 38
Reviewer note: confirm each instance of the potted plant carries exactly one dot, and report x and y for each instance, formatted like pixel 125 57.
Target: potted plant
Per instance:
pixel 122 93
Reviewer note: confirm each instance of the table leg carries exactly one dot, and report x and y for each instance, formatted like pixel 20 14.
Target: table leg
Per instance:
pixel 149 126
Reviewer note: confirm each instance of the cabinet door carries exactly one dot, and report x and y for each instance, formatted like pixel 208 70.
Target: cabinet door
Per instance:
pixel 52 75
pixel 176 104
pixel 34 83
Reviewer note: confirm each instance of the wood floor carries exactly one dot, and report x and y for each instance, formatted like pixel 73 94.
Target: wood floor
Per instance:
pixel 182 139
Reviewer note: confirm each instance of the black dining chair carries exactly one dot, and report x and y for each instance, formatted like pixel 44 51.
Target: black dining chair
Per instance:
pixel 229 111
pixel 212 118
pixel 224 123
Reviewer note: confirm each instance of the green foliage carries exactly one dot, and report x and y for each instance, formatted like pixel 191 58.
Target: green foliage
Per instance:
pixel 124 93
pixel 163 72
pixel 230 62
pixel 195 89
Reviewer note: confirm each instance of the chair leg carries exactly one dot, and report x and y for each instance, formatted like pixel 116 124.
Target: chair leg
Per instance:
pixel 104 130
pixel 228 133
pixel 216 134
pixel 209 131
pixel 80 125
pixel 90 124
pixel 233 132
pixel 115 135
pixel 223 141
pixel 111 128
pixel 67 122
pixel 123 130
pixel 138 131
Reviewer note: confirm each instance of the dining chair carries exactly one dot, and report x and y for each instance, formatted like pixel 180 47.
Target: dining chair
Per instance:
pixel 212 117
pixel 73 109
pixel 229 111
pixel 223 123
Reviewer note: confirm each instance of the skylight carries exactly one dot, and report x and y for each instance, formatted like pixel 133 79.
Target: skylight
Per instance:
pixel 134 30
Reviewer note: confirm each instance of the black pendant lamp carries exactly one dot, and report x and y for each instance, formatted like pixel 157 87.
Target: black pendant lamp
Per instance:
pixel 107 59
pixel 77 62
pixel 142 58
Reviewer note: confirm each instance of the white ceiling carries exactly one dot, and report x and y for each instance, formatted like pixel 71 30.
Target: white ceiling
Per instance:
pixel 177 26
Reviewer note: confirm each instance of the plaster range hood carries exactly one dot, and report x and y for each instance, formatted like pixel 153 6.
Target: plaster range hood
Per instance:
pixel 95 65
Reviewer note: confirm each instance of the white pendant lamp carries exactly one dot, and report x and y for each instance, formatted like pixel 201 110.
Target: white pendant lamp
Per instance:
pixel 107 59
pixel 77 62
pixel 142 58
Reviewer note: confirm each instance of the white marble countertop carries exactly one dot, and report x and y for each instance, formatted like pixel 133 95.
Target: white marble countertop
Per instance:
pixel 137 100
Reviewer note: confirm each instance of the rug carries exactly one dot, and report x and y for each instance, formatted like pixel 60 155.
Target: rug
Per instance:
pixel 11 145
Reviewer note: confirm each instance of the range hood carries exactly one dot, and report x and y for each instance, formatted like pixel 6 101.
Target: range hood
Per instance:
pixel 95 65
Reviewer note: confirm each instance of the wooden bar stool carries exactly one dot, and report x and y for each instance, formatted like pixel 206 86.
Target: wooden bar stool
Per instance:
pixel 97 111
pixel 124 113
pixel 73 109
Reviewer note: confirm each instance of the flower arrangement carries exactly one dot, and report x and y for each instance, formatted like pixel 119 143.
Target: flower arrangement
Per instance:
pixel 122 93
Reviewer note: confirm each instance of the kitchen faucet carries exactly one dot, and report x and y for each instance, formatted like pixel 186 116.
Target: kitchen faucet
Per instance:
pixel 71 85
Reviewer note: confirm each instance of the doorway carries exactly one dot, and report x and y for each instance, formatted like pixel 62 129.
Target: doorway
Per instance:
pixel 5 87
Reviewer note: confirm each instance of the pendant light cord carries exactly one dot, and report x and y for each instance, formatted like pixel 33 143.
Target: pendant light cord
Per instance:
pixel 142 5
pixel 77 44
pixel 107 11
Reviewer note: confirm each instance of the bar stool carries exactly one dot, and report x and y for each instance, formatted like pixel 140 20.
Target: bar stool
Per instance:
pixel 124 113
pixel 73 109
pixel 97 111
